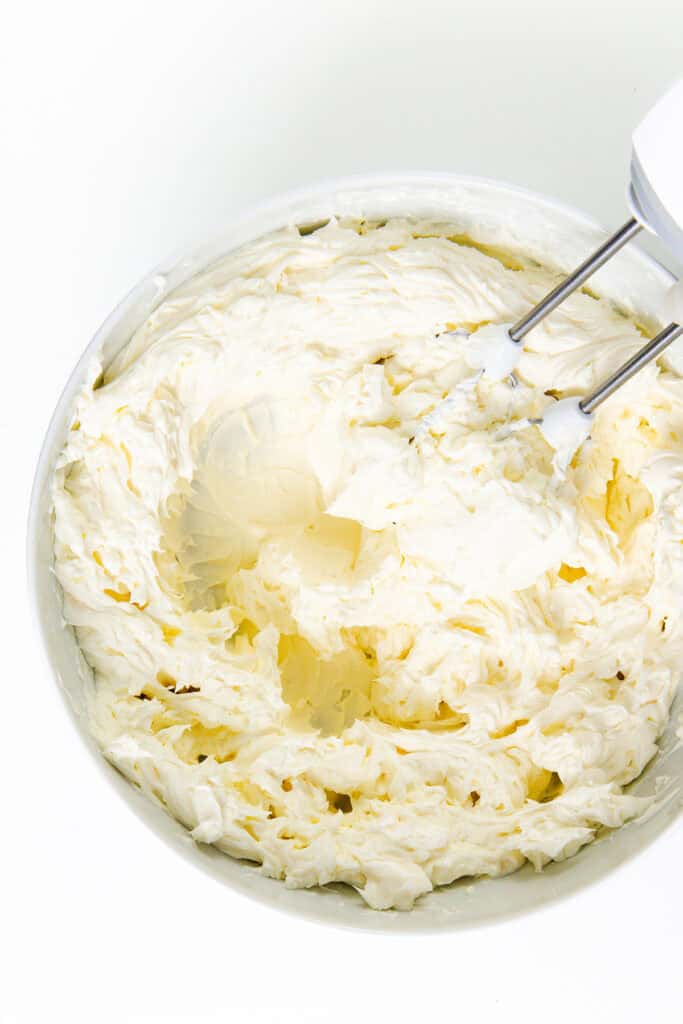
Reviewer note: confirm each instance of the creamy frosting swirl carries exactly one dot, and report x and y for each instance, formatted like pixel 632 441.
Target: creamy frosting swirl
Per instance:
pixel 345 617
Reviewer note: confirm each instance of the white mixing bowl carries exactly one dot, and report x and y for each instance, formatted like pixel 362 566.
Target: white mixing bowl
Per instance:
pixel 491 213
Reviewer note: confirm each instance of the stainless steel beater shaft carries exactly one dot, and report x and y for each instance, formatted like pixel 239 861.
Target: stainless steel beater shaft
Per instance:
pixel 575 279
pixel 630 368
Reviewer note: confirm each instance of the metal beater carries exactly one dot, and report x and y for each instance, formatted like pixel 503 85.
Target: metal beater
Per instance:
pixel 655 197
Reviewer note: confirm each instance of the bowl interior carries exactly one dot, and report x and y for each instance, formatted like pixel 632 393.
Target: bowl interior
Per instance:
pixel 490 213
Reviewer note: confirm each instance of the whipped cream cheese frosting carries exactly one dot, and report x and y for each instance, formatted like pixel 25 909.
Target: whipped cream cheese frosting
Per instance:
pixel 345 618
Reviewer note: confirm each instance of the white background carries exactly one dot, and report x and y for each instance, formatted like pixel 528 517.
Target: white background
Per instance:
pixel 128 130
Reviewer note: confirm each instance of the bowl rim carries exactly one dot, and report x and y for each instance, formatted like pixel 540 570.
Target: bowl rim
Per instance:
pixel 252 214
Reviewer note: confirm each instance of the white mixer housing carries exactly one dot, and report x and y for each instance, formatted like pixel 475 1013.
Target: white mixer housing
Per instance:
pixel 656 190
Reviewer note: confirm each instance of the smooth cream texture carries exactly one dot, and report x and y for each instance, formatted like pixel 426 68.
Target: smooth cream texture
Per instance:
pixel 346 618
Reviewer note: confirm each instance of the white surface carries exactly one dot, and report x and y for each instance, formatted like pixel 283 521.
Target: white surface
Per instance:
pixel 127 132
pixel 673 303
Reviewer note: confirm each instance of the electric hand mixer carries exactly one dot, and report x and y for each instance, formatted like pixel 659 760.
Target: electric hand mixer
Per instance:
pixel 656 199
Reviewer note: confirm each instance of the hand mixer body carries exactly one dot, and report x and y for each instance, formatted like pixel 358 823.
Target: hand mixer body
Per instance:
pixel 656 200
pixel 656 189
